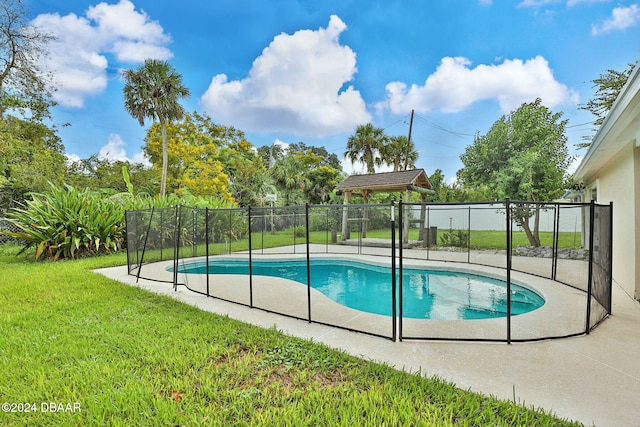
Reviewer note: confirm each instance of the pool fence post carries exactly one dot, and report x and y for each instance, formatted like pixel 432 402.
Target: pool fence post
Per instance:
pixel 229 233
pixel 393 271
pixel 250 259
pixel 469 236
pixel 194 246
pixel 176 246
pixel 508 270
pixel 556 242
pixel 144 245
pixel 400 239
pixel 610 260
pixel 306 226
pixel 592 206
pixel 161 234
pixel 326 232
pixel 294 228
pixel 127 223
pixel 429 236
pixel 206 244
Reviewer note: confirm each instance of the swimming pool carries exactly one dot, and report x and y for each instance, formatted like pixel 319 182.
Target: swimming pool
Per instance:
pixel 427 294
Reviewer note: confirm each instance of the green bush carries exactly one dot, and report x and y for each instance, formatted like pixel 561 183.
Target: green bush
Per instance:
pixel 458 238
pixel 143 201
pixel 68 223
pixel 300 231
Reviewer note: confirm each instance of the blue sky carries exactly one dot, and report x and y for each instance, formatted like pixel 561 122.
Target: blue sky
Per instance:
pixel 286 71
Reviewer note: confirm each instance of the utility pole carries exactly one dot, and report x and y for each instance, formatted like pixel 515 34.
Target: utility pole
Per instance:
pixel 406 158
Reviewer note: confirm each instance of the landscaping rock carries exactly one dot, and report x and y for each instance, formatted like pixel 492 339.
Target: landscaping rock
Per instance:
pixel 547 252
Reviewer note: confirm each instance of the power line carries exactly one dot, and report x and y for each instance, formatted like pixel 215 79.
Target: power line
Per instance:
pixel 581 124
pixel 395 123
pixel 437 126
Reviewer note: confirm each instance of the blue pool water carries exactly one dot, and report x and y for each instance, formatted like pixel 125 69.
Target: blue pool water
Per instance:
pixel 427 294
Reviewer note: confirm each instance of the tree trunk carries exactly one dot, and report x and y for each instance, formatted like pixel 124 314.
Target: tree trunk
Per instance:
pixel 524 223
pixel 536 226
pixel 165 159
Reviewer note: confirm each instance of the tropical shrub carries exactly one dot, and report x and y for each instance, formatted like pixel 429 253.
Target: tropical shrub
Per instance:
pixel 459 238
pixel 300 231
pixel 68 223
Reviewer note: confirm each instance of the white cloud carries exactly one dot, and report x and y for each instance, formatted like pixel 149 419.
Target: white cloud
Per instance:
pixel 485 2
pixel 455 86
pixel 357 168
pixel 131 36
pixel 296 86
pixel 78 55
pixel 571 3
pixel 282 144
pixel 536 3
pixel 140 158
pixel 360 168
pixel 115 149
pixel 72 158
pixel 621 19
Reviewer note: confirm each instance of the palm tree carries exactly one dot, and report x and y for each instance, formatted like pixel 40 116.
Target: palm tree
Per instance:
pixel 399 153
pixel 152 92
pixel 365 145
pixel 288 174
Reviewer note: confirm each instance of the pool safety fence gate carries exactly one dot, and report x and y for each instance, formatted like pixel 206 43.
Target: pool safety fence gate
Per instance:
pixel 562 251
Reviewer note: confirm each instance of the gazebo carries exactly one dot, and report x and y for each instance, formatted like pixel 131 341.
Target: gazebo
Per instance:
pixel 386 182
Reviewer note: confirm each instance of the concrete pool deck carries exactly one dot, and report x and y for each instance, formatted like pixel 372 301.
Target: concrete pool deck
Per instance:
pixel 593 379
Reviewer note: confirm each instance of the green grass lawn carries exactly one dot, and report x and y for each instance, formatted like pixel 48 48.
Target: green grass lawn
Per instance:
pixel 127 357
pixel 490 239
pixel 479 240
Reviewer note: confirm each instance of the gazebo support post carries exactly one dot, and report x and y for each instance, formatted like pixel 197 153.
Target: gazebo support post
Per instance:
pixel 423 236
pixel 365 213
pixel 407 199
pixel 345 217
pixel 404 181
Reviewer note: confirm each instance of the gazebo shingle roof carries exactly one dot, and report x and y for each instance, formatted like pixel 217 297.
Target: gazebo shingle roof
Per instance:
pixel 386 181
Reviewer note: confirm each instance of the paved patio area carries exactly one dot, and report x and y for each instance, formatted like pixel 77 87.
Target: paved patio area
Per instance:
pixel 594 379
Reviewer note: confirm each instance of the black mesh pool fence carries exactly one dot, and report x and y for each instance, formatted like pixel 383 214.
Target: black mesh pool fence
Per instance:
pixel 561 251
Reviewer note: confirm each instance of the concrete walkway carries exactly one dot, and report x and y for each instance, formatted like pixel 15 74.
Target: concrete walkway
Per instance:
pixel 593 379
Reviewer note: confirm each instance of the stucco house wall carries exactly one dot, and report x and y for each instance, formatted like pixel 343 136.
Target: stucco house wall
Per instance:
pixel 610 172
pixel 616 183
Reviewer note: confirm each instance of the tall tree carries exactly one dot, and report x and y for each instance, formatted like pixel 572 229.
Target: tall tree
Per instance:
pixel 195 161
pixel 287 173
pixel 322 181
pixel 152 92
pixel 524 156
pixel 251 182
pixel 325 158
pixel 607 86
pixel 102 174
pixel 24 86
pixel 31 155
pixel 399 153
pixel 365 145
pixel 320 171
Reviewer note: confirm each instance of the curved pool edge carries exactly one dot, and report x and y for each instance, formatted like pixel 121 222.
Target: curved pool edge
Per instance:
pixel 562 313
